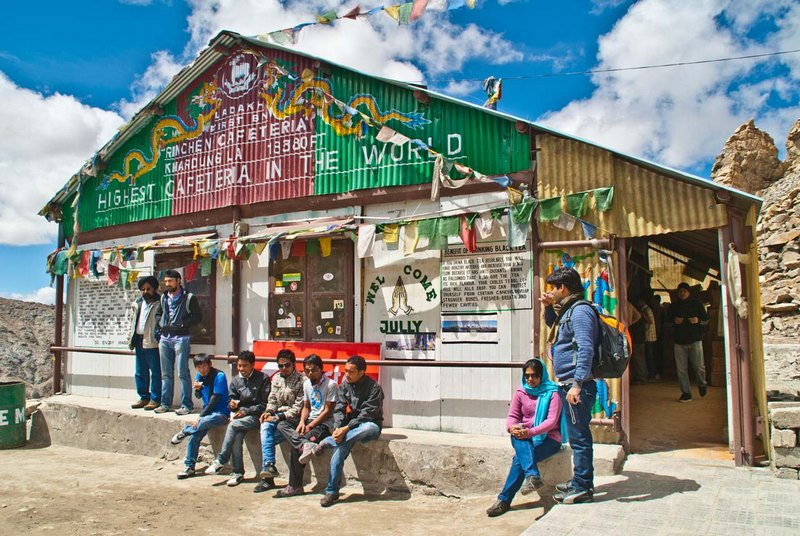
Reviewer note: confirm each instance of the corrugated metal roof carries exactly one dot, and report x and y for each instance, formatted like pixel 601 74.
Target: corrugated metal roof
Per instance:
pixel 227 39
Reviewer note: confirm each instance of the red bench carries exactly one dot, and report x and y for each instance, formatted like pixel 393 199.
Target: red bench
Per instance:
pixel 371 351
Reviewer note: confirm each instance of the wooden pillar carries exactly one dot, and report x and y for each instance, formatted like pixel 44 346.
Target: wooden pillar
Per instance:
pixel 236 281
pixel 59 329
pixel 622 309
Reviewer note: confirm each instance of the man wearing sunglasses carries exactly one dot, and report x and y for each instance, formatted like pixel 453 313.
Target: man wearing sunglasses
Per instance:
pixel 284 404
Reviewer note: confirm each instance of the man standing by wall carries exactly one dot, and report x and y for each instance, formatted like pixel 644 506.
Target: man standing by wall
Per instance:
pixel 688 317
pixel 248 400
pixel 573 344
pixel 145 315
pixel 180 312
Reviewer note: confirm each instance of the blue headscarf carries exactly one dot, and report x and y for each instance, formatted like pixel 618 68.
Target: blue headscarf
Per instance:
pixel 544 393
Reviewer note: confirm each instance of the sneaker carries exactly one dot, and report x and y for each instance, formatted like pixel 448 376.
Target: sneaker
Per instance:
pixel 214 468
pixel 270 471
pixel 140 404
pixel 265 485
pixel 177 438
pixel 289 491
pixel 329 500
pixel 182 411
pixel 151 405
pixel 564 486
pixel 703 391
pixel 235 479
pixel 497 509
pixel 186 473
pixel 685 397
pixel 162 409
pixel 310 449
pixel 574 496
pixel 531 484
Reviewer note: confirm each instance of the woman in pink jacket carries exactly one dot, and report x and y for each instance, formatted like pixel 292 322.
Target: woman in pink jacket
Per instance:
pixel 534 422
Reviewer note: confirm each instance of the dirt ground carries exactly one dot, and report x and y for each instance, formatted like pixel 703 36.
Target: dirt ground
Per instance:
pixel 62 490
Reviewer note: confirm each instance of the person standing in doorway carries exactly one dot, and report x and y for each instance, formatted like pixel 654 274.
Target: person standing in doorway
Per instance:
pixel 145 315
pixel 688 317
pixel 180 312
pixel 576 329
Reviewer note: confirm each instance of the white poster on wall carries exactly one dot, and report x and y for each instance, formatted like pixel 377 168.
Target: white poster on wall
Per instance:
pixel 495 278
pixel 401 302
pixel 469 328
pixel 102 314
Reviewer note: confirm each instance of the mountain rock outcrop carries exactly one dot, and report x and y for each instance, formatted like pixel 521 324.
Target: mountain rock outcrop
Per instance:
pixel 26 332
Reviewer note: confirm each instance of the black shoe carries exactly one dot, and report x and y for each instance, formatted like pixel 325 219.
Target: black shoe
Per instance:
pixel 685 397
pixel 703 391
pixel 269 471
pixel 329 500
pixel 497 509
pixel 564 486
pixel 531 484
pixel 266 484
pixel 574 496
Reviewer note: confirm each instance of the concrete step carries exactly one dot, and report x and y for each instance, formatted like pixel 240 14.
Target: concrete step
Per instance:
pixel 401 460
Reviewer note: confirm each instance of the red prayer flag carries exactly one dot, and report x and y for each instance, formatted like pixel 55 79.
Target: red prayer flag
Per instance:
pixel 468 235
pixel 83 266
pixel 189 271
pixel 355 12
pixel 418 9
pixel 113 275
pixel 298 249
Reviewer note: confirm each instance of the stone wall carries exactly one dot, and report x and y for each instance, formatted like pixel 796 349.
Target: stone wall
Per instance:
pixel 785 419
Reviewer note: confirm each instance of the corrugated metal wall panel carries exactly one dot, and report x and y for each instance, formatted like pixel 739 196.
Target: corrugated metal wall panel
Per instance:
pixel 487 143
pixel 645 203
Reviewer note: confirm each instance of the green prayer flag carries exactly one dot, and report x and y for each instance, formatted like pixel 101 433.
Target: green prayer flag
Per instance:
pixel 549 209
pixel 471 218
pixel 604 197
pixel 312 247
pixel 450 226
pixel 497 213
pixel 522 213
pixel 576 204
pixel 206 264
pixel 140 254
pixel 426 228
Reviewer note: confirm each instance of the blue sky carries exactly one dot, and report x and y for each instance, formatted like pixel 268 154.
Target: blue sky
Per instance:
pixel 72 72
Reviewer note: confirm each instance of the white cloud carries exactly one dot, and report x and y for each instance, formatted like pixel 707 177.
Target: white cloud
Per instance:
pixel 45 140
pixel 433 45
pixel 682 116
pixel 43 295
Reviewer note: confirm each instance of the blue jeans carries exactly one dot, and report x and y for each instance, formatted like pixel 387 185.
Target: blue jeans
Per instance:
pixel 580 436
pixel 234 438
pixel 270 438
pixel 169 348
pixel 524 463
pixel 363 433
pixel 197 434
pixel 148 373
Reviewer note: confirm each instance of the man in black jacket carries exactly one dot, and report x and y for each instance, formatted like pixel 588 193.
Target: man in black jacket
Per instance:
pixel 364 398
pixel 143 340
pixel 180 312
pixel 688 317
pixel 249 392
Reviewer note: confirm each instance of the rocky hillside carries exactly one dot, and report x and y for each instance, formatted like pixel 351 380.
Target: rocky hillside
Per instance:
pixel 749 162
pixel 26 332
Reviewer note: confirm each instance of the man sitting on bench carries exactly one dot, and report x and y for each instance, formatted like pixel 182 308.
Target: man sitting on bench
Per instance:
pixel 364 398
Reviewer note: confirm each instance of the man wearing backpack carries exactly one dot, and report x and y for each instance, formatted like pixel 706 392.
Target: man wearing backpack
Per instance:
pixel 574 339
pixel 180 312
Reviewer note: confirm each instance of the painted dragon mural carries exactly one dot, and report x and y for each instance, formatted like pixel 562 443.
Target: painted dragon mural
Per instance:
pixel 167 131
pixel 286 95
